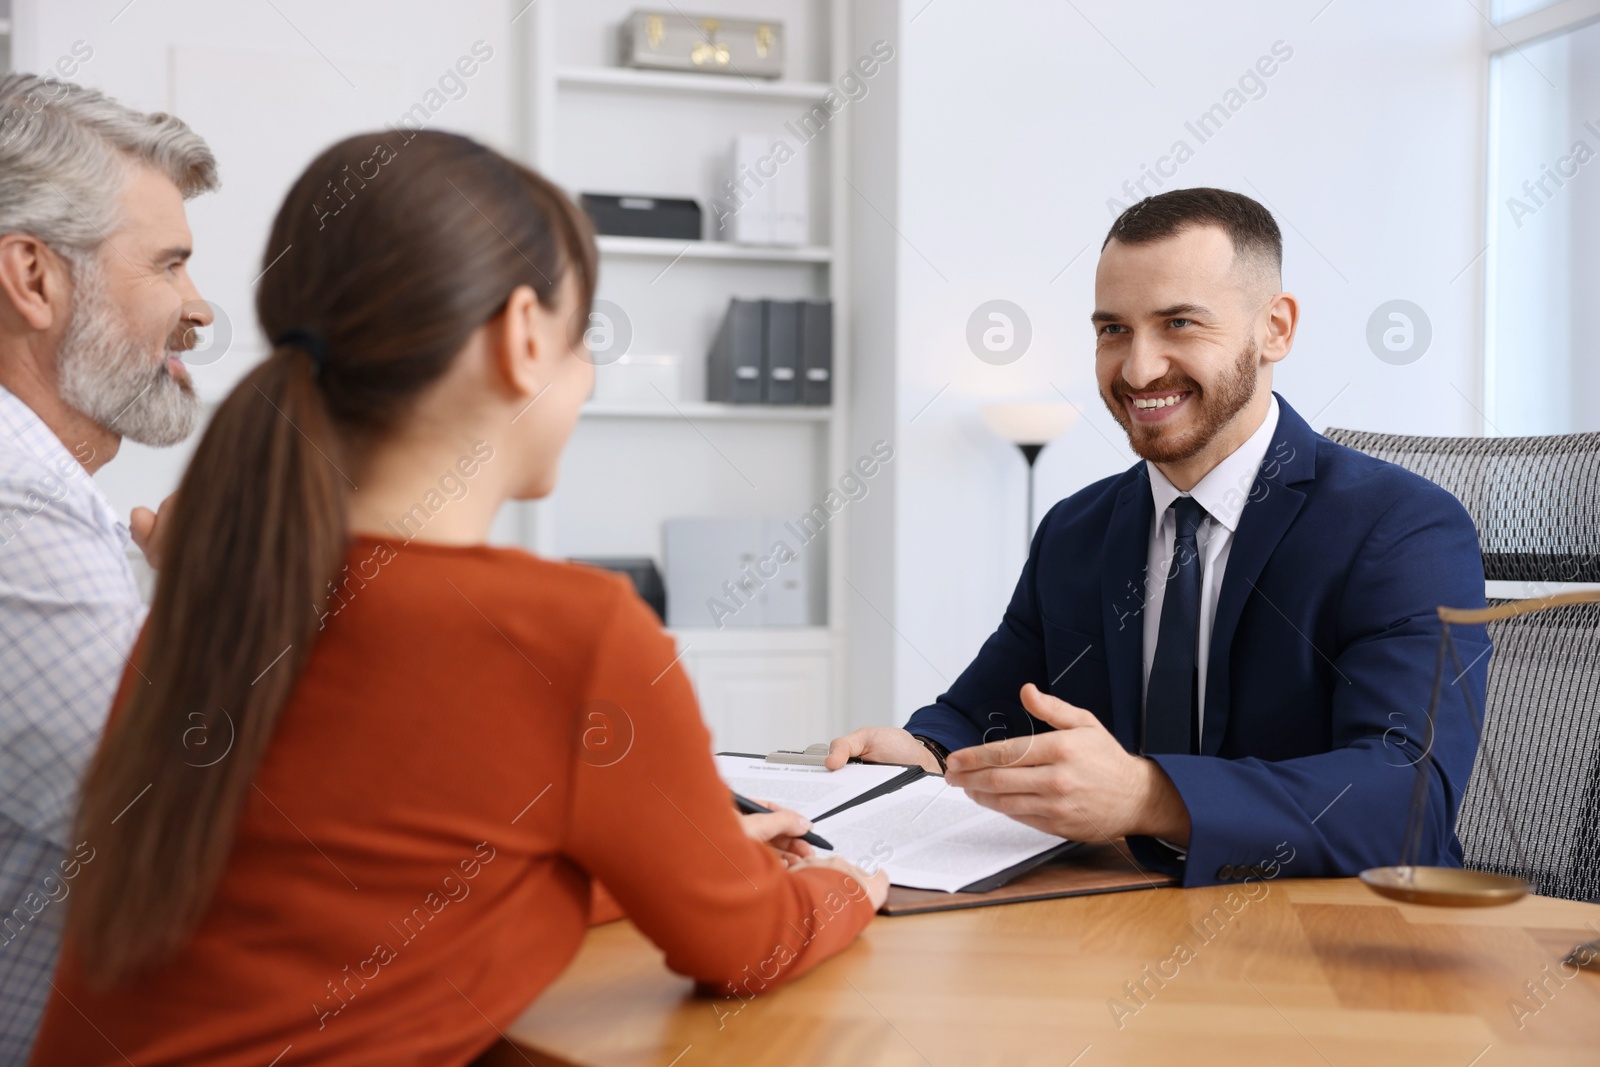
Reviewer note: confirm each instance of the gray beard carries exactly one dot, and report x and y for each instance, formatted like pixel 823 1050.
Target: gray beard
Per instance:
pixel 106 374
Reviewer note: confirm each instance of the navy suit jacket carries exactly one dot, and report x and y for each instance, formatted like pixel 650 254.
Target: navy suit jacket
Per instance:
pixel 1320 669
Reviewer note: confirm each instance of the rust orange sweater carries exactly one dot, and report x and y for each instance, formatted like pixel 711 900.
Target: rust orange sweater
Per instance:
pixel 478 735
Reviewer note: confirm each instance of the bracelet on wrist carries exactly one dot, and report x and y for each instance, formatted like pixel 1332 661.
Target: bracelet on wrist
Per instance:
pixel 940 753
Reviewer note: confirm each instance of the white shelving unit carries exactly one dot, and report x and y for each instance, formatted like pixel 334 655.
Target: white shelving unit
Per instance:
pixel 595 127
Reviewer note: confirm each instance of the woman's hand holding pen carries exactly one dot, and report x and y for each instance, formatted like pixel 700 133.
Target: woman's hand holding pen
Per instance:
pixel 782 829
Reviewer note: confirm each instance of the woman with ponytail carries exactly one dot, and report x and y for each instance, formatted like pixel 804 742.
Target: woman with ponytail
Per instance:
pixel 364 770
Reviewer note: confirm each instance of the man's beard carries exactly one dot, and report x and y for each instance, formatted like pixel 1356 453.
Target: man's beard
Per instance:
pixel 106 373
pixel 1213 409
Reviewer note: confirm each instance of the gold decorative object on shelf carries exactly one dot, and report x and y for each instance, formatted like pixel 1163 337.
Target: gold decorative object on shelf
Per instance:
pixel 703 44
pixel 1454 887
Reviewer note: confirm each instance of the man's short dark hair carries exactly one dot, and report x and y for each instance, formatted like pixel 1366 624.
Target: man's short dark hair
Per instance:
pixel 1249 226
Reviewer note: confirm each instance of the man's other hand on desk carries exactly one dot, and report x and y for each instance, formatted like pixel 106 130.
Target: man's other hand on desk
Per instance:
pixel 1076 781
pixel 881 744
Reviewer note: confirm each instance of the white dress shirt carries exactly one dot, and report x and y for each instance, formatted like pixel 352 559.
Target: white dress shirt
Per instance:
pixel 1223 492
pixel 69 612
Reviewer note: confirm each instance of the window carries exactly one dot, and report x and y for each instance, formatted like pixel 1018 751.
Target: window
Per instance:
pixel 1542 359
pixel 1507 10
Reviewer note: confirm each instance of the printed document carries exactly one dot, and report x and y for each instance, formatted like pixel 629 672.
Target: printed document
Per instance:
pixel 929 835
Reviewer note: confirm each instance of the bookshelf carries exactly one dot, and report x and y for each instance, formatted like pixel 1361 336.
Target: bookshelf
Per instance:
pixel 593 126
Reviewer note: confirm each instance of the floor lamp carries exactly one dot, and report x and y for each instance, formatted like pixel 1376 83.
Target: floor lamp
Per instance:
pixel 1030 427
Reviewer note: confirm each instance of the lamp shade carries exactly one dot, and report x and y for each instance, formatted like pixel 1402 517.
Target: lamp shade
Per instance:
pixel 1029 424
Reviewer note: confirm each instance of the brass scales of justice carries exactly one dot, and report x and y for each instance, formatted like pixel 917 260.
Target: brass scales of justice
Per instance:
pixel 1455 887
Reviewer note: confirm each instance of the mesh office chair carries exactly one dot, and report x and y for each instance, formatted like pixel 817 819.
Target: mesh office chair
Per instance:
pixel 1536 504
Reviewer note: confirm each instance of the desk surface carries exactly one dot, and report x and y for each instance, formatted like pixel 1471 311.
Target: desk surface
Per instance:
pixel 1310 972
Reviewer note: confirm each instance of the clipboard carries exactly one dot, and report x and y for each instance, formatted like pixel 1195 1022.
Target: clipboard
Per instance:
pixel 1074 871
pixel 910 775
pixel 989 883
pixel 1012 873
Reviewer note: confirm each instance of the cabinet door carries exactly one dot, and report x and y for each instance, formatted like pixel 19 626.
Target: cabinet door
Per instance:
pixel 756 703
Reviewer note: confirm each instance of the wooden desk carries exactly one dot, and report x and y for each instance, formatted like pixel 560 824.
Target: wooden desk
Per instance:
pixel 1311 972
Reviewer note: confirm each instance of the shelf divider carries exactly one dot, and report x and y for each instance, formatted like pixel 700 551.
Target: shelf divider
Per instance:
pixel 671 248
pixel 693 410
pixel 627 79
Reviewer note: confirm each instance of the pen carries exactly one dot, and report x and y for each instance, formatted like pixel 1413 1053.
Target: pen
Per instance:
pixel 750 807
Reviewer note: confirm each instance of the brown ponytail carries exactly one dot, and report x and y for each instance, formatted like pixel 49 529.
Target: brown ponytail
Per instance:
pixel 390 250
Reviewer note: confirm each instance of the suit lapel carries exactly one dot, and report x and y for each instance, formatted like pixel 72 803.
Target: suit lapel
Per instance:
pixel 1122 596
pixel 1267 516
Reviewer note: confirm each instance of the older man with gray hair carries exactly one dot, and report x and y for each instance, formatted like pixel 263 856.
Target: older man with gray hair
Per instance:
pixel 96 309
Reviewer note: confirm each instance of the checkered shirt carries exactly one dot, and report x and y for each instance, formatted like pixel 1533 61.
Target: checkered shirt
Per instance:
pixel 69 612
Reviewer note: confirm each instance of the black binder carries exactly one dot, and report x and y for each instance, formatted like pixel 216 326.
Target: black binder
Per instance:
pixel 781 354
pixel 733 366
pixel 816 352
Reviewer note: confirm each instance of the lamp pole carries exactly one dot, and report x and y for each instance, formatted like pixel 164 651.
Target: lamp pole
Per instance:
pixel 1030 427
pixel 1030 452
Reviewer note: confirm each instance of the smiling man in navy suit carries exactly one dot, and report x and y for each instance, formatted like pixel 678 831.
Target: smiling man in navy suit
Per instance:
pixel 1226 653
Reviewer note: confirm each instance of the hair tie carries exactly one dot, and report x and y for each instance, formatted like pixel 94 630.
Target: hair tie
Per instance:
pixel 309 340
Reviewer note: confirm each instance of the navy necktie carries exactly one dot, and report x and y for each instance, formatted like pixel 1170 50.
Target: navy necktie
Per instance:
pixel 1172 699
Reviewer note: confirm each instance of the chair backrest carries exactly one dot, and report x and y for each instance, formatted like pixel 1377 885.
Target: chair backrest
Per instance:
pixel 1536 504
pixel 1535 500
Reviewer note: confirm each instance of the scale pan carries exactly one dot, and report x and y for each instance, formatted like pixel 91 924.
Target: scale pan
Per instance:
pixel 1446 887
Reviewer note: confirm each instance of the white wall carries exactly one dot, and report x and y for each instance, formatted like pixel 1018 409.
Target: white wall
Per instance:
pixel 268 85
pixel 1018 120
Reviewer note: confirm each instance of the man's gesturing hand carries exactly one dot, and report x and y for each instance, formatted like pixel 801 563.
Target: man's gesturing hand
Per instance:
pixel 148 530
pixel 1076 781
pixel 880 744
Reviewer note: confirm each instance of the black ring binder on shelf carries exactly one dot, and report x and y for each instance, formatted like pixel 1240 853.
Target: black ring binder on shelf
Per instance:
pixel 772 352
